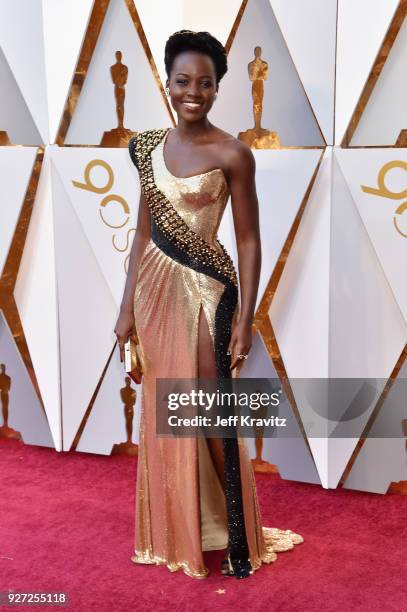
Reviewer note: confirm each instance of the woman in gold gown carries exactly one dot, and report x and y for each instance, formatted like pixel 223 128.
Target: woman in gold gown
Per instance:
pixel 181 296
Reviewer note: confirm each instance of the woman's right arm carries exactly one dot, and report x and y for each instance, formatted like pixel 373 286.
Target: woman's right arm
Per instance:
pixel 125 323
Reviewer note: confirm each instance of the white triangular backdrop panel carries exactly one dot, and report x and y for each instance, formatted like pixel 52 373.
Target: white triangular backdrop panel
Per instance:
pixel 353 68
pixel 286 108
pixel 36 298
pixel 106 424
pixel 22 42
pixel 15 172
pixel 378 205
pixel 312 45
pixel 26 415
pixel 64 24
pixel 96 108
pixel 87 312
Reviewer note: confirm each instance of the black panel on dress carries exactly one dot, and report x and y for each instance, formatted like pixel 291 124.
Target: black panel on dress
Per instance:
pixel 238 547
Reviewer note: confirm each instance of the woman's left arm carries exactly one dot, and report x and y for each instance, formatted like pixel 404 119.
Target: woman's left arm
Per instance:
pixel 245 208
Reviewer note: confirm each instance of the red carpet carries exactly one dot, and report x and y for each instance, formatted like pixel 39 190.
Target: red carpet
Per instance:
pixel 67 525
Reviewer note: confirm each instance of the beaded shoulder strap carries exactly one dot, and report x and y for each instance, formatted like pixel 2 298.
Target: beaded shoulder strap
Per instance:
pixel 132 149
pixel 164 214
pixel 142 143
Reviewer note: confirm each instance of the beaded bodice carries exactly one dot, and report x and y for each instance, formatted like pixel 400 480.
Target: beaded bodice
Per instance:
pixel 199 199
pixel 185 211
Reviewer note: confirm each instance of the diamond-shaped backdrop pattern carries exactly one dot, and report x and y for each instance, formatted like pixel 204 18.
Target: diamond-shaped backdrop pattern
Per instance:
pixel 332 300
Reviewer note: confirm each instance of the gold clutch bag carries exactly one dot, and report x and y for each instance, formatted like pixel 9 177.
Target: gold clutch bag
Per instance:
pixel 132 361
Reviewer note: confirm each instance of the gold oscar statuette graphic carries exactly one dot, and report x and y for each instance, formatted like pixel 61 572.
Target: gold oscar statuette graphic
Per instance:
pixel 258 137
pixel 258 463
pixel 402 140
pixel 400 488
pixel 4 139
pixel 5 384
pixel 128 396
pixel 118 137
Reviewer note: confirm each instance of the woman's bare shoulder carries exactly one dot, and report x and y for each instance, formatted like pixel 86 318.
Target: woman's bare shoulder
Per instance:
pixel 236 155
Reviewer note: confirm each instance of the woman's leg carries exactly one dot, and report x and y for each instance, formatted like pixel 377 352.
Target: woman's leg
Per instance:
pixel 207 369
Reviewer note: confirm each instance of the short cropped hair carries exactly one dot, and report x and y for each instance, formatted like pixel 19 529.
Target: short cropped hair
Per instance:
pixel 201 42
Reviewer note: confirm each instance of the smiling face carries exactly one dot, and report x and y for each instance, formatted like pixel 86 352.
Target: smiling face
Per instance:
pixel 192 85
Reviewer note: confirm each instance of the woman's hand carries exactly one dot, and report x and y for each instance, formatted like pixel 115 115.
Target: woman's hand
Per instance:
pixel 240 342
pixel 125 327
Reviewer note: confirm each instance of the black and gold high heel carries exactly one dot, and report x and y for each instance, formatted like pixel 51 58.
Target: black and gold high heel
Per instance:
pixel 226 569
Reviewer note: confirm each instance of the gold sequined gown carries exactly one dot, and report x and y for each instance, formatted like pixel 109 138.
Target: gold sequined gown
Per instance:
pixel 181 507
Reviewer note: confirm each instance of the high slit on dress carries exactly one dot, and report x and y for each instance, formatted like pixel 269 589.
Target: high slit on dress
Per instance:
pixel 181 506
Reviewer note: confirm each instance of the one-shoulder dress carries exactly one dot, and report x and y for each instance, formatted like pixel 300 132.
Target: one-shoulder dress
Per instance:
pixel 181 507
